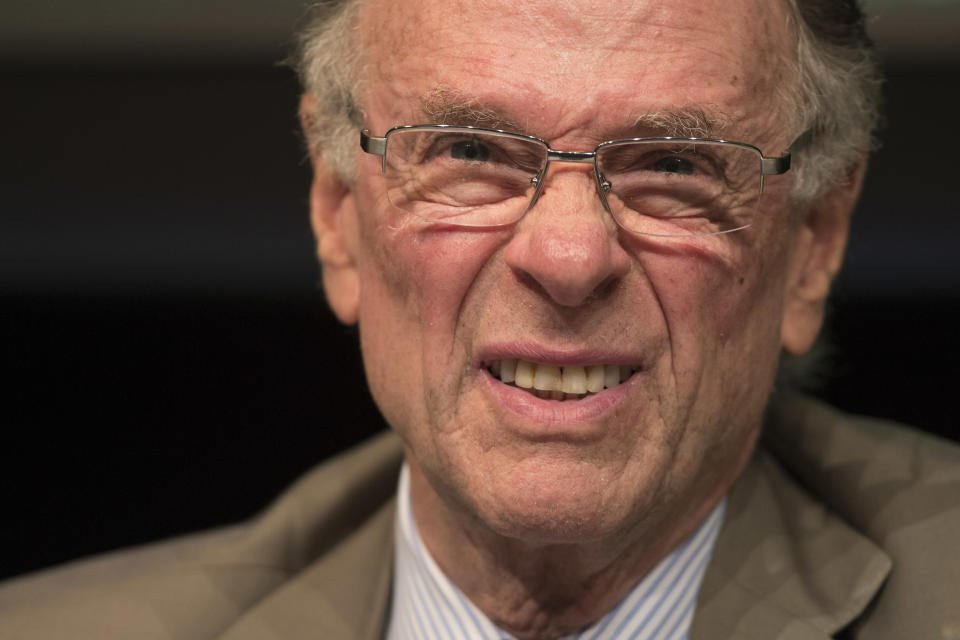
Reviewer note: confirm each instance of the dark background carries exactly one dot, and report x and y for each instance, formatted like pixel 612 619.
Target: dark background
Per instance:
pixel 168 363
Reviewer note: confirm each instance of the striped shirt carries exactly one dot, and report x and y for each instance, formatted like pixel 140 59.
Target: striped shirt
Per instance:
pixel 427 606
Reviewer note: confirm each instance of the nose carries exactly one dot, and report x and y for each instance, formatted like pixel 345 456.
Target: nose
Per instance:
pixel 567 243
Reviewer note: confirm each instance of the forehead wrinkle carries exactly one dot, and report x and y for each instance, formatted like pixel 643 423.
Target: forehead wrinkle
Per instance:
pixel 446 105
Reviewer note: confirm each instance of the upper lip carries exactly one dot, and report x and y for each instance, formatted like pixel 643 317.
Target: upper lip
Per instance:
pixel 559 357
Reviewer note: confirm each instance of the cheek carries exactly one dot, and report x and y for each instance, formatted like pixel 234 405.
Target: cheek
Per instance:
pixel 698 284
pixel 423 268
pixel 428 274
pixel 415 281
pixel 721 298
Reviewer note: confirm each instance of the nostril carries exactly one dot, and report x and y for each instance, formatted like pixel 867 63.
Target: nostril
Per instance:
pixel 568 267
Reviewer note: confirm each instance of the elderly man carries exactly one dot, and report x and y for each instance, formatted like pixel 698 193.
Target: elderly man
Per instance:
pixel 576 238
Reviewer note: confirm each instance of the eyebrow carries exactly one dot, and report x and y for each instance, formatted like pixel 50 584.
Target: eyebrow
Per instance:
pixel 449 106
pixel 685 122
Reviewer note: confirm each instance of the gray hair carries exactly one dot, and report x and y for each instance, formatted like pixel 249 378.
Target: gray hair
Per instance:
pixel 327 60
pixel 837 93
pixel 836 98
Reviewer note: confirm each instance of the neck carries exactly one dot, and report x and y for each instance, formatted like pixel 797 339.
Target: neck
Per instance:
pixel 534 589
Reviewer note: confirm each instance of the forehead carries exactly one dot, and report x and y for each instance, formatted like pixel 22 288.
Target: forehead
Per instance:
pixel 576 67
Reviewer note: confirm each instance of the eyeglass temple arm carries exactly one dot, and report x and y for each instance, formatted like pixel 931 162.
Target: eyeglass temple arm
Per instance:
pixel 776 166
pixel 376 146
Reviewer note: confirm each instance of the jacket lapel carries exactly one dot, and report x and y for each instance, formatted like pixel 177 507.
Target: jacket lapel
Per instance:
pixel 784 567
pixel 344 594
pixel 331 536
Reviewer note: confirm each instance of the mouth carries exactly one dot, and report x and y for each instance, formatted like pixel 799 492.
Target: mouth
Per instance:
pixel 552 382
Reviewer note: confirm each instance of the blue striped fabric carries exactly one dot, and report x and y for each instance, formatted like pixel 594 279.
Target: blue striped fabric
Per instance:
pixel 427 606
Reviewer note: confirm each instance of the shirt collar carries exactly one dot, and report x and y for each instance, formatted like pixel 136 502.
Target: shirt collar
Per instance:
pixel 426 605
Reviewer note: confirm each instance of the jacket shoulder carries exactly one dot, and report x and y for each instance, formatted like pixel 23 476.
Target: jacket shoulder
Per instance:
pixel 862 466
pixel 897 485
pixel 197 585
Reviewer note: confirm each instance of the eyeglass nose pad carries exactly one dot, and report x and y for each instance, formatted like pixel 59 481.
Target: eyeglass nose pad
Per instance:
pixel 537 183
pixel 603 188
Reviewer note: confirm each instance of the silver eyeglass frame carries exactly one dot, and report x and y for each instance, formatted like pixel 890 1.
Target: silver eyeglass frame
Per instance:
pixel 377 145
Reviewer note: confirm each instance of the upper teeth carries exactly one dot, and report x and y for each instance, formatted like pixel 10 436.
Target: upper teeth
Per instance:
pixel 572 379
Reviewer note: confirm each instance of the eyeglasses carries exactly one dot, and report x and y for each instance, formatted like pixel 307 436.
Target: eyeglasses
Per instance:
pixel 668 187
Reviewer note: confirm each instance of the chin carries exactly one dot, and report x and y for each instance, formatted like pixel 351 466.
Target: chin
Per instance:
pixel 552 510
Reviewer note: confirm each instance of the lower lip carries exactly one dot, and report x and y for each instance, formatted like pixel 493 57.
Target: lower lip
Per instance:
pixel 555 417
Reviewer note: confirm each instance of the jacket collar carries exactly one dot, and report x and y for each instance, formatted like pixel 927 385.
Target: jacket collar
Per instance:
pixel 330 540
pixel 785 565
pixel 344 594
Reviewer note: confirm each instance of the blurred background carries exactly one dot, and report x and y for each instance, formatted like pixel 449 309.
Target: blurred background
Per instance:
pixel 170 364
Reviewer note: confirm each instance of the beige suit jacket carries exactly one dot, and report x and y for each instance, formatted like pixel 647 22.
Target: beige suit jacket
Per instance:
pixel 839 527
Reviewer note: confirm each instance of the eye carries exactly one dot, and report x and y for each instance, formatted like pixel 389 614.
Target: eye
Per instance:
pixel 469 150
pixel 674 164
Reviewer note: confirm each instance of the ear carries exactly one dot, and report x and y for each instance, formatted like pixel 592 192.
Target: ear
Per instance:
pixel 819 246
pixel 332 216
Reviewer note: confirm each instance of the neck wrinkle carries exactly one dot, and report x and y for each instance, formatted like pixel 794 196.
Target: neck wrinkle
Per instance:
pixel 539 591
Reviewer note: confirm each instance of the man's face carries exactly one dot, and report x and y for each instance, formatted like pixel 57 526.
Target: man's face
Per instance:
pixel 696 321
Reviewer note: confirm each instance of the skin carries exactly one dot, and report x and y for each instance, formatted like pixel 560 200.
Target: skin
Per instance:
pixel 545 517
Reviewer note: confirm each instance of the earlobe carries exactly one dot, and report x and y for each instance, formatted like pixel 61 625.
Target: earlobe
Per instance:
pixel 819 246
pixel 332 216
